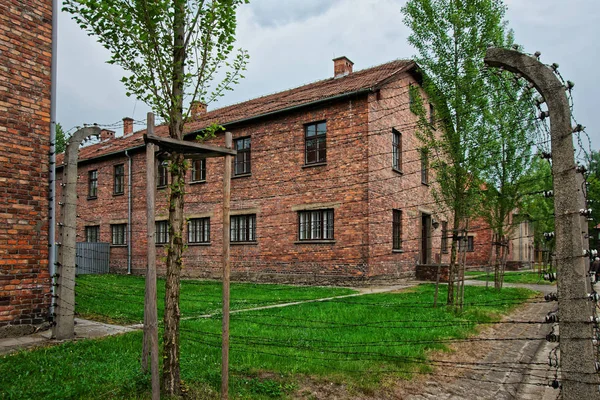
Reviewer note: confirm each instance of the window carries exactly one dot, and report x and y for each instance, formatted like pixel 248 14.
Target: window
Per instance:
pixel 431 115
pixel 119 179
pixel 412 98
pixel 396 150
pixel 424 166
pixel 162 232
pixel 92 233
pixel 199 230
pixel 444 237
pixel 243 228
pixel 92 184
pixel 315 145
pixel 241 163
pixel 199 170
pixel 315 225
pixel 469 242
pixel 118 236
pixel 162 177
pixel 397 230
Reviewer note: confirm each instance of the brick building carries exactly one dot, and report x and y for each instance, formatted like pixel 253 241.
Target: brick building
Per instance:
pixel 25 66
pixel 330 184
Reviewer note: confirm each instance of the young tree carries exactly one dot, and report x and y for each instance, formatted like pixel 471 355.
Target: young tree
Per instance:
pixel 509 128
pixel 173 51
pixel 451 37
pixel 61 139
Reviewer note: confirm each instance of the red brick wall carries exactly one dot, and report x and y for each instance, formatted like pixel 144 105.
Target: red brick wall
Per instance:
pixel 390 189
pixel 25 62
pixel 357 182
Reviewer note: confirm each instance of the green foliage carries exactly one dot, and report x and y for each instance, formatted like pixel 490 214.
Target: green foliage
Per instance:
pixel 61 139
pixel 143 38
pixel 451 37
pixel 539 208
pixel 509 130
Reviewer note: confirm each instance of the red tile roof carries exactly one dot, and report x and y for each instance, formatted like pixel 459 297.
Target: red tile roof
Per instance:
pixel 313 92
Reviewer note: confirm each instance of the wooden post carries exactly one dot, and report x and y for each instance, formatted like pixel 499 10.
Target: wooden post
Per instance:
pixel 226 269
pixel 150 308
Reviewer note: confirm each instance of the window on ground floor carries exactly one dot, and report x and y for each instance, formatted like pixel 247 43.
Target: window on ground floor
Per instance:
pixel 315 225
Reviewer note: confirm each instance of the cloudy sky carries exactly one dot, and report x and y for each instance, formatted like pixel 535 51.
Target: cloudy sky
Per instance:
pixel 292 42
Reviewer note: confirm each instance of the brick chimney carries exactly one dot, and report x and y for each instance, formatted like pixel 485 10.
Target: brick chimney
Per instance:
pixel 127 126
pixel 197 110
pixel 342 66
pixel 106 134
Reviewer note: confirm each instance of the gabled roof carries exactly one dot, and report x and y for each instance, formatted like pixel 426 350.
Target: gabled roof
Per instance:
pixel 328 89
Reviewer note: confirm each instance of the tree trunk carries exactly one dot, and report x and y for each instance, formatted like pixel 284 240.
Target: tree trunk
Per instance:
pixel 452 266
pixel 171 368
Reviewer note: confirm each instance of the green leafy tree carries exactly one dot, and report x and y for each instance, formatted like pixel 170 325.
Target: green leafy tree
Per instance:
pixel 451 37
pixel 593 196
pixel 173 52
pixel 61 139
pixel 509 130
pixel 539 209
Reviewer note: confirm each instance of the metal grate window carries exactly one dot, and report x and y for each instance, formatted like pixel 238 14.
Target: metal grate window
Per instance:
pixel 118 236
pixel 199 230
pixel 162 232
pixel 93 184
pixel 397 230
pixel 396 150
pixel 243 228
pixel 424 166
pixel 119 179
pixel 199 170
pixel 92 234
pixel 315 225
pixel 444 237
pixel 162 176
pixel 242 164
pixel 315 143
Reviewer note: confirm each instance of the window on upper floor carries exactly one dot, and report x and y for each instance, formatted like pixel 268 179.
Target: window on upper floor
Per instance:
pixel 396 150
pixel 92 184
pixel 431 115
pixel 162 232
pixel 118 234
pixel 119 179
pixel 424 166
pixel 92 233
pixel 315 225
pixel 162 174
pixel 315 143
pixel 397 229
pixel 243 228
pixel 199 230
pixel 199 170
pixel 242 163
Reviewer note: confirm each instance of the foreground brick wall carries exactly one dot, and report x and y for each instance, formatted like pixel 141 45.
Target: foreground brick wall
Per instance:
pixel 25 62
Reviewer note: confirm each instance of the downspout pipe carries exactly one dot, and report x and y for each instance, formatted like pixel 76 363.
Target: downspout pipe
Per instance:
pixel 129 197
pixel 52 158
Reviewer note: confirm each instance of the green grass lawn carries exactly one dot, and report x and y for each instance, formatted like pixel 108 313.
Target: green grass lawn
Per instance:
pixel 120 298
pixel 358 341
pixel 526 277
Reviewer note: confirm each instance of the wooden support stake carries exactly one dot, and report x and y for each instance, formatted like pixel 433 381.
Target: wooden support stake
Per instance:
pixel 226 269
pixel 150 307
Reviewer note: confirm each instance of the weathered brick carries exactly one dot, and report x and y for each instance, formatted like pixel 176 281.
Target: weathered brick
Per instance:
pixel 25 36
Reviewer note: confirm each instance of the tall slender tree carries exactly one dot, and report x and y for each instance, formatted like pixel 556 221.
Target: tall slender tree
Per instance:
pixel 173 52
pixel 451 37
pixel 509 130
